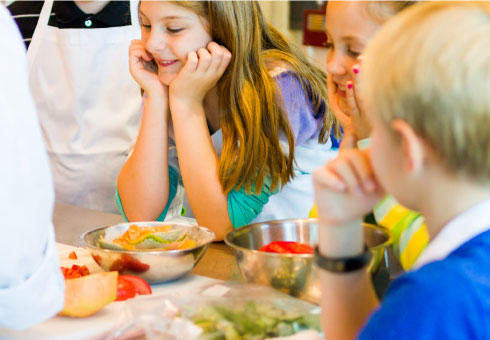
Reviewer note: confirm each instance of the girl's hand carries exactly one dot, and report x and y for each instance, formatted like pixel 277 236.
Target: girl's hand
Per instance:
pixel 343 118
pixel 352 119
pixel 200 74
pixel 346 188
pixel 147 79
pixel 360 123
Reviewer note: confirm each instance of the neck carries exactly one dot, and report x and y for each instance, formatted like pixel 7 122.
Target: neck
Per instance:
pixel 91 6
pixel 453 196
pixel 211 108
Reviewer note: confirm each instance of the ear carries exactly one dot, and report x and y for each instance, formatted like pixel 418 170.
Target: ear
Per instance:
pixel 413 147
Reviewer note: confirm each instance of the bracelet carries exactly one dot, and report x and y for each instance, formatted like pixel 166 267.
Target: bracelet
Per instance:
pixel 343 264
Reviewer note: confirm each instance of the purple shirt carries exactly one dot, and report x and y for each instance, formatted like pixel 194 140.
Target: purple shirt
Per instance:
pixel 303 121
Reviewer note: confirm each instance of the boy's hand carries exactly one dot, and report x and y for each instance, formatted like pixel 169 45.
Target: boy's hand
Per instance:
pixel 345 188
pixel 200 74
pixel 145 78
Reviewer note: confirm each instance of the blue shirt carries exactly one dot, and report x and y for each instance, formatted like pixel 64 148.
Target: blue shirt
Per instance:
pixel 446 299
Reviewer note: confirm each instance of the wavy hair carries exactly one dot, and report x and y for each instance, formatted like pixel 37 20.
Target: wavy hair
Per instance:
pixel 251 115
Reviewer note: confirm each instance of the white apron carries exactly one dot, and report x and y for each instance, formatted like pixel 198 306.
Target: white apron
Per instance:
pixel 88 106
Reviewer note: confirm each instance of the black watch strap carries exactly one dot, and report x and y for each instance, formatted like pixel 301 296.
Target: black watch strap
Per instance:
pixel 343 264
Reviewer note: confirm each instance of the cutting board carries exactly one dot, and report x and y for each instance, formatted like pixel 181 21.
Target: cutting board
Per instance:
pixel 107 320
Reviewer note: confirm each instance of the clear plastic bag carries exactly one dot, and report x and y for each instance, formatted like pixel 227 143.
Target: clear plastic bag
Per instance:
pixel 225 311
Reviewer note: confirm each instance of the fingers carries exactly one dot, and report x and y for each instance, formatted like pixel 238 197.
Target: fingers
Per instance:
pixel 359 120
pixel 137 50
pixel 205 60
pixel 356 69
pixel 191 62
pixel 220 58
pixel 333 101
pixel 353 168
pixel 211 60
pixel 324 177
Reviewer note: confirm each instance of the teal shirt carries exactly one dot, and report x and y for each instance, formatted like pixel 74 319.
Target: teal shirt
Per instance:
pixel 173 179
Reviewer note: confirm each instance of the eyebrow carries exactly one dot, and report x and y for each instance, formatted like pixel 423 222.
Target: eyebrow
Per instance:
pixel 170 17
pixel 348 38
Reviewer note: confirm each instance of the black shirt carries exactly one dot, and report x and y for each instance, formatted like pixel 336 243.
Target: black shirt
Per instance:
pixel 66 14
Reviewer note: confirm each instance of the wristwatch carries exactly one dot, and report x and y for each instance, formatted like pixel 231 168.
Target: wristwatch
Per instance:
pixel 343 264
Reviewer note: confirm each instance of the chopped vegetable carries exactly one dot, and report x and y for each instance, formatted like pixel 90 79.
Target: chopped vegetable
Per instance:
pixel 74 272
pixel 72 255
pixel 252 321
pixel 149 238
pixel 287 247
pixel 128 286
pixel 141 287
pixel 125 290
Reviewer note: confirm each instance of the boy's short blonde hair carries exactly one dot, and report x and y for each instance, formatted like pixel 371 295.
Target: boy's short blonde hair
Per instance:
pixel 381 11
pixel 430 66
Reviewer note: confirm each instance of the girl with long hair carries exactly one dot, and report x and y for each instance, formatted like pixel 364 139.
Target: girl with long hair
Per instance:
pixel 232 111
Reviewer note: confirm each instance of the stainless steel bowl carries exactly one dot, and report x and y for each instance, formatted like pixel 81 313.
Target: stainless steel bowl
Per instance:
pixel 291 273
pixel 153 266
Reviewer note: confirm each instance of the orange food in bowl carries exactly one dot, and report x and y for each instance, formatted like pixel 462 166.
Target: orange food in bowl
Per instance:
pixel 135 234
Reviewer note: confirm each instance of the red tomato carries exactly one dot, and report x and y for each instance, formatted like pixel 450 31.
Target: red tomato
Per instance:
pixel 74 272
pixel 141 287
pixel 287 247
pixel 125 289
pixel 300 248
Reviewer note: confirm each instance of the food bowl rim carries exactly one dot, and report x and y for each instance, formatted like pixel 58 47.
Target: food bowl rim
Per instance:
pixel 234 246
pixel 150 252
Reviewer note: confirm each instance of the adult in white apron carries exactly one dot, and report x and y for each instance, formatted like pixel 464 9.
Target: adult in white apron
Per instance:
pixel 88 106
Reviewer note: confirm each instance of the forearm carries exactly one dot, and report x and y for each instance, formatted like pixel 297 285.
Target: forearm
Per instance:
pixel 347 298
pixel 349 141
pixel 143 183
pixel 199 167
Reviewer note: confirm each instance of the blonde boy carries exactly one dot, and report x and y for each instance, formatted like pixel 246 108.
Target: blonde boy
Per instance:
pixel 426 87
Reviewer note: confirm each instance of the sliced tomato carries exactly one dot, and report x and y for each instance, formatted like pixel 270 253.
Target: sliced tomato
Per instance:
pixel 300 248
pixel 287 247
pixel 141 287
pixel 125 289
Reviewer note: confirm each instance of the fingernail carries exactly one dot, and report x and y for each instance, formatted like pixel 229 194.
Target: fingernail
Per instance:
pixel 355 69
pixel 349 85
pixel 369 185
pixel 340 186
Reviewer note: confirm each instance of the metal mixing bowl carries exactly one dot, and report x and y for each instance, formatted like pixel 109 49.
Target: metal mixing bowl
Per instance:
pixel 153 266
pixel 291 273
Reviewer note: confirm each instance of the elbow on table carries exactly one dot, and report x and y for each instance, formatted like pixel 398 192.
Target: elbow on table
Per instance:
pixel 219 229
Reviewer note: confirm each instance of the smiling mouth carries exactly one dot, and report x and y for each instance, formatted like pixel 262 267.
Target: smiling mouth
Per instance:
pixel 166 63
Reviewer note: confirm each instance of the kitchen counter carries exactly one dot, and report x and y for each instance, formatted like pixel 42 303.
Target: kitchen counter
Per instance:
pixel 70 222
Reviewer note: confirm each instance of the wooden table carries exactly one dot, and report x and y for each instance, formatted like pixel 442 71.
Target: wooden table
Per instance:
pixel 70 222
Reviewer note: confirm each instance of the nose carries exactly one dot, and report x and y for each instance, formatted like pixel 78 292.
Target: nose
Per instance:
pixel 335 63
pixel 155 41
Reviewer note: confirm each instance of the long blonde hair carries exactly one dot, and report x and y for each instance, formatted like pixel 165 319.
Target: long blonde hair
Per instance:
pixel 251 115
